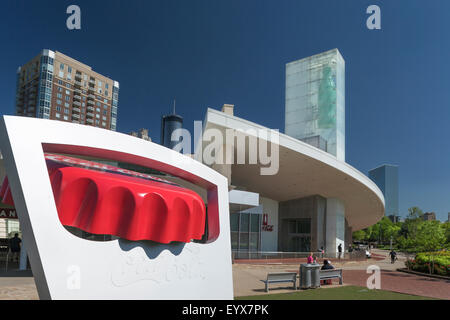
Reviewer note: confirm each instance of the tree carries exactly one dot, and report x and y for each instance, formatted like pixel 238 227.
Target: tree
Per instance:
pixel 430 238
pixel 359 235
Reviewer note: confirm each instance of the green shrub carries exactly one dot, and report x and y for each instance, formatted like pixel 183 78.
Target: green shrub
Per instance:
pixel 424 262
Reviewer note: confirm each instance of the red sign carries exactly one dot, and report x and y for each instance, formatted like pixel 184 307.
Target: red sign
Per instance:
pixel 265 223
pixel 8 213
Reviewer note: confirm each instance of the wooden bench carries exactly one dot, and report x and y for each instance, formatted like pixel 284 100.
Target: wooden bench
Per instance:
pixel 331 274
pixel 280 278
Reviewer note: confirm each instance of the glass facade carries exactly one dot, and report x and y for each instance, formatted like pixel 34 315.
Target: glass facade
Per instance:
pixel 45 86
pixel 315 100
pixel 245 231
pixel 115 105
pixel 386 178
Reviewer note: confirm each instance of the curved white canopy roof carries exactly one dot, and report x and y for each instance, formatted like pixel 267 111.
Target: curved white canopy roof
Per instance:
pixel 304 171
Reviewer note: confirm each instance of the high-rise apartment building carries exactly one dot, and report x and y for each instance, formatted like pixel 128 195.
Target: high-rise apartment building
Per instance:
pixel 55 86
pixel 386 178
pixel 315 101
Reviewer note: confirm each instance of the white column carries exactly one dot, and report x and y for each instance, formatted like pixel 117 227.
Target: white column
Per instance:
pixel 335 225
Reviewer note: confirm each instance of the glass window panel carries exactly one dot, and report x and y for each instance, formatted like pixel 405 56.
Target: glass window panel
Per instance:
pixel 292 227
pixel 254 223
pixel 234 222
pixel 243 241
pixel 254 237
pixel 245 217
pixel 234 240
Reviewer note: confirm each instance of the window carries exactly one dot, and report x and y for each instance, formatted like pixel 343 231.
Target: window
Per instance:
pixel 66 105
pixel 58 108
pixel 106 93
pixel 61 74
pixel 67 92
pixel 300 226
pixel 97 109
pixel 59 95
pixel 60 82
pixel 58 101
pixel 103 118
pixel 69 76
pixel 245 231
pixel 104 112
pixel 57 115
pixel 97 116
pixel 68 85
pixel 69 69
pixel 100 84
pixel 66 117
pixel 106 86
pixel 59 89
pixel 104 124
pixel 66 110
pixel 98 104
pixel 61 66
pixel 67 98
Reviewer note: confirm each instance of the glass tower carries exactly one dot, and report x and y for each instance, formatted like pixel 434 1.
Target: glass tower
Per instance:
pixel 386 178
pixel 315 101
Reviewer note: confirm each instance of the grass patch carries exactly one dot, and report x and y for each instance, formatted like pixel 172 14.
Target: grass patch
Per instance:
pixel 338 293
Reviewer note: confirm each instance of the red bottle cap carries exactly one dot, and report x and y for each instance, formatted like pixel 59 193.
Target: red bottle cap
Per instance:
pixel 103 199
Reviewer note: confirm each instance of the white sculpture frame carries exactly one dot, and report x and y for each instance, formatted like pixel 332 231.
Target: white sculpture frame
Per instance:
pixel 68 267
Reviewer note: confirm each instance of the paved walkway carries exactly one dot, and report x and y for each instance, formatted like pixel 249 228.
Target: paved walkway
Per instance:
pixel 247 279
pixel 17 285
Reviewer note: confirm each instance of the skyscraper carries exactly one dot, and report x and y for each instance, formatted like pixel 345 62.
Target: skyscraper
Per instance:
pixel 315 101
pixel 386 178
pixel 55 86
pixel 169 124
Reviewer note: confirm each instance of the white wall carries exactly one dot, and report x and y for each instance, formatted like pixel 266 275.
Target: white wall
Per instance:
pixel 335 225
pixel 269 240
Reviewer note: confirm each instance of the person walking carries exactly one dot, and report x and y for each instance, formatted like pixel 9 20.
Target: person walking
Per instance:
pixel 14 246
pixel 340 250
pixel 393 255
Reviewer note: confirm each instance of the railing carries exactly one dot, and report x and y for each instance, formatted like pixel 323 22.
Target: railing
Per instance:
pixel 279 255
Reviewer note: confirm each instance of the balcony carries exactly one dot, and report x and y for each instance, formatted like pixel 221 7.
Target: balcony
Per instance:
pixel 90 114
pixel 76 103
pixel 90 108
pixel 91 102
pixel 91 96
pixel 77 90
pixel 77 83
pixel 77 97
pixel 32 102
pixel 74 115
pixel 89 120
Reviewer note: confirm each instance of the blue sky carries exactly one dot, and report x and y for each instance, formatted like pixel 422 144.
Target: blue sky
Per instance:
pixel 207 53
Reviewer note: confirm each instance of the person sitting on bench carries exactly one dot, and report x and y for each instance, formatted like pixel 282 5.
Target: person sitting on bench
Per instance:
pixel 326 266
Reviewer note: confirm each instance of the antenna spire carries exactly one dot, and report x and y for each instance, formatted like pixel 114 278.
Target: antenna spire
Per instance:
pixel 174 105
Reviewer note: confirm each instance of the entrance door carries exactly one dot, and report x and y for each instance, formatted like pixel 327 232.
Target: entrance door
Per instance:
pixel 300 244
